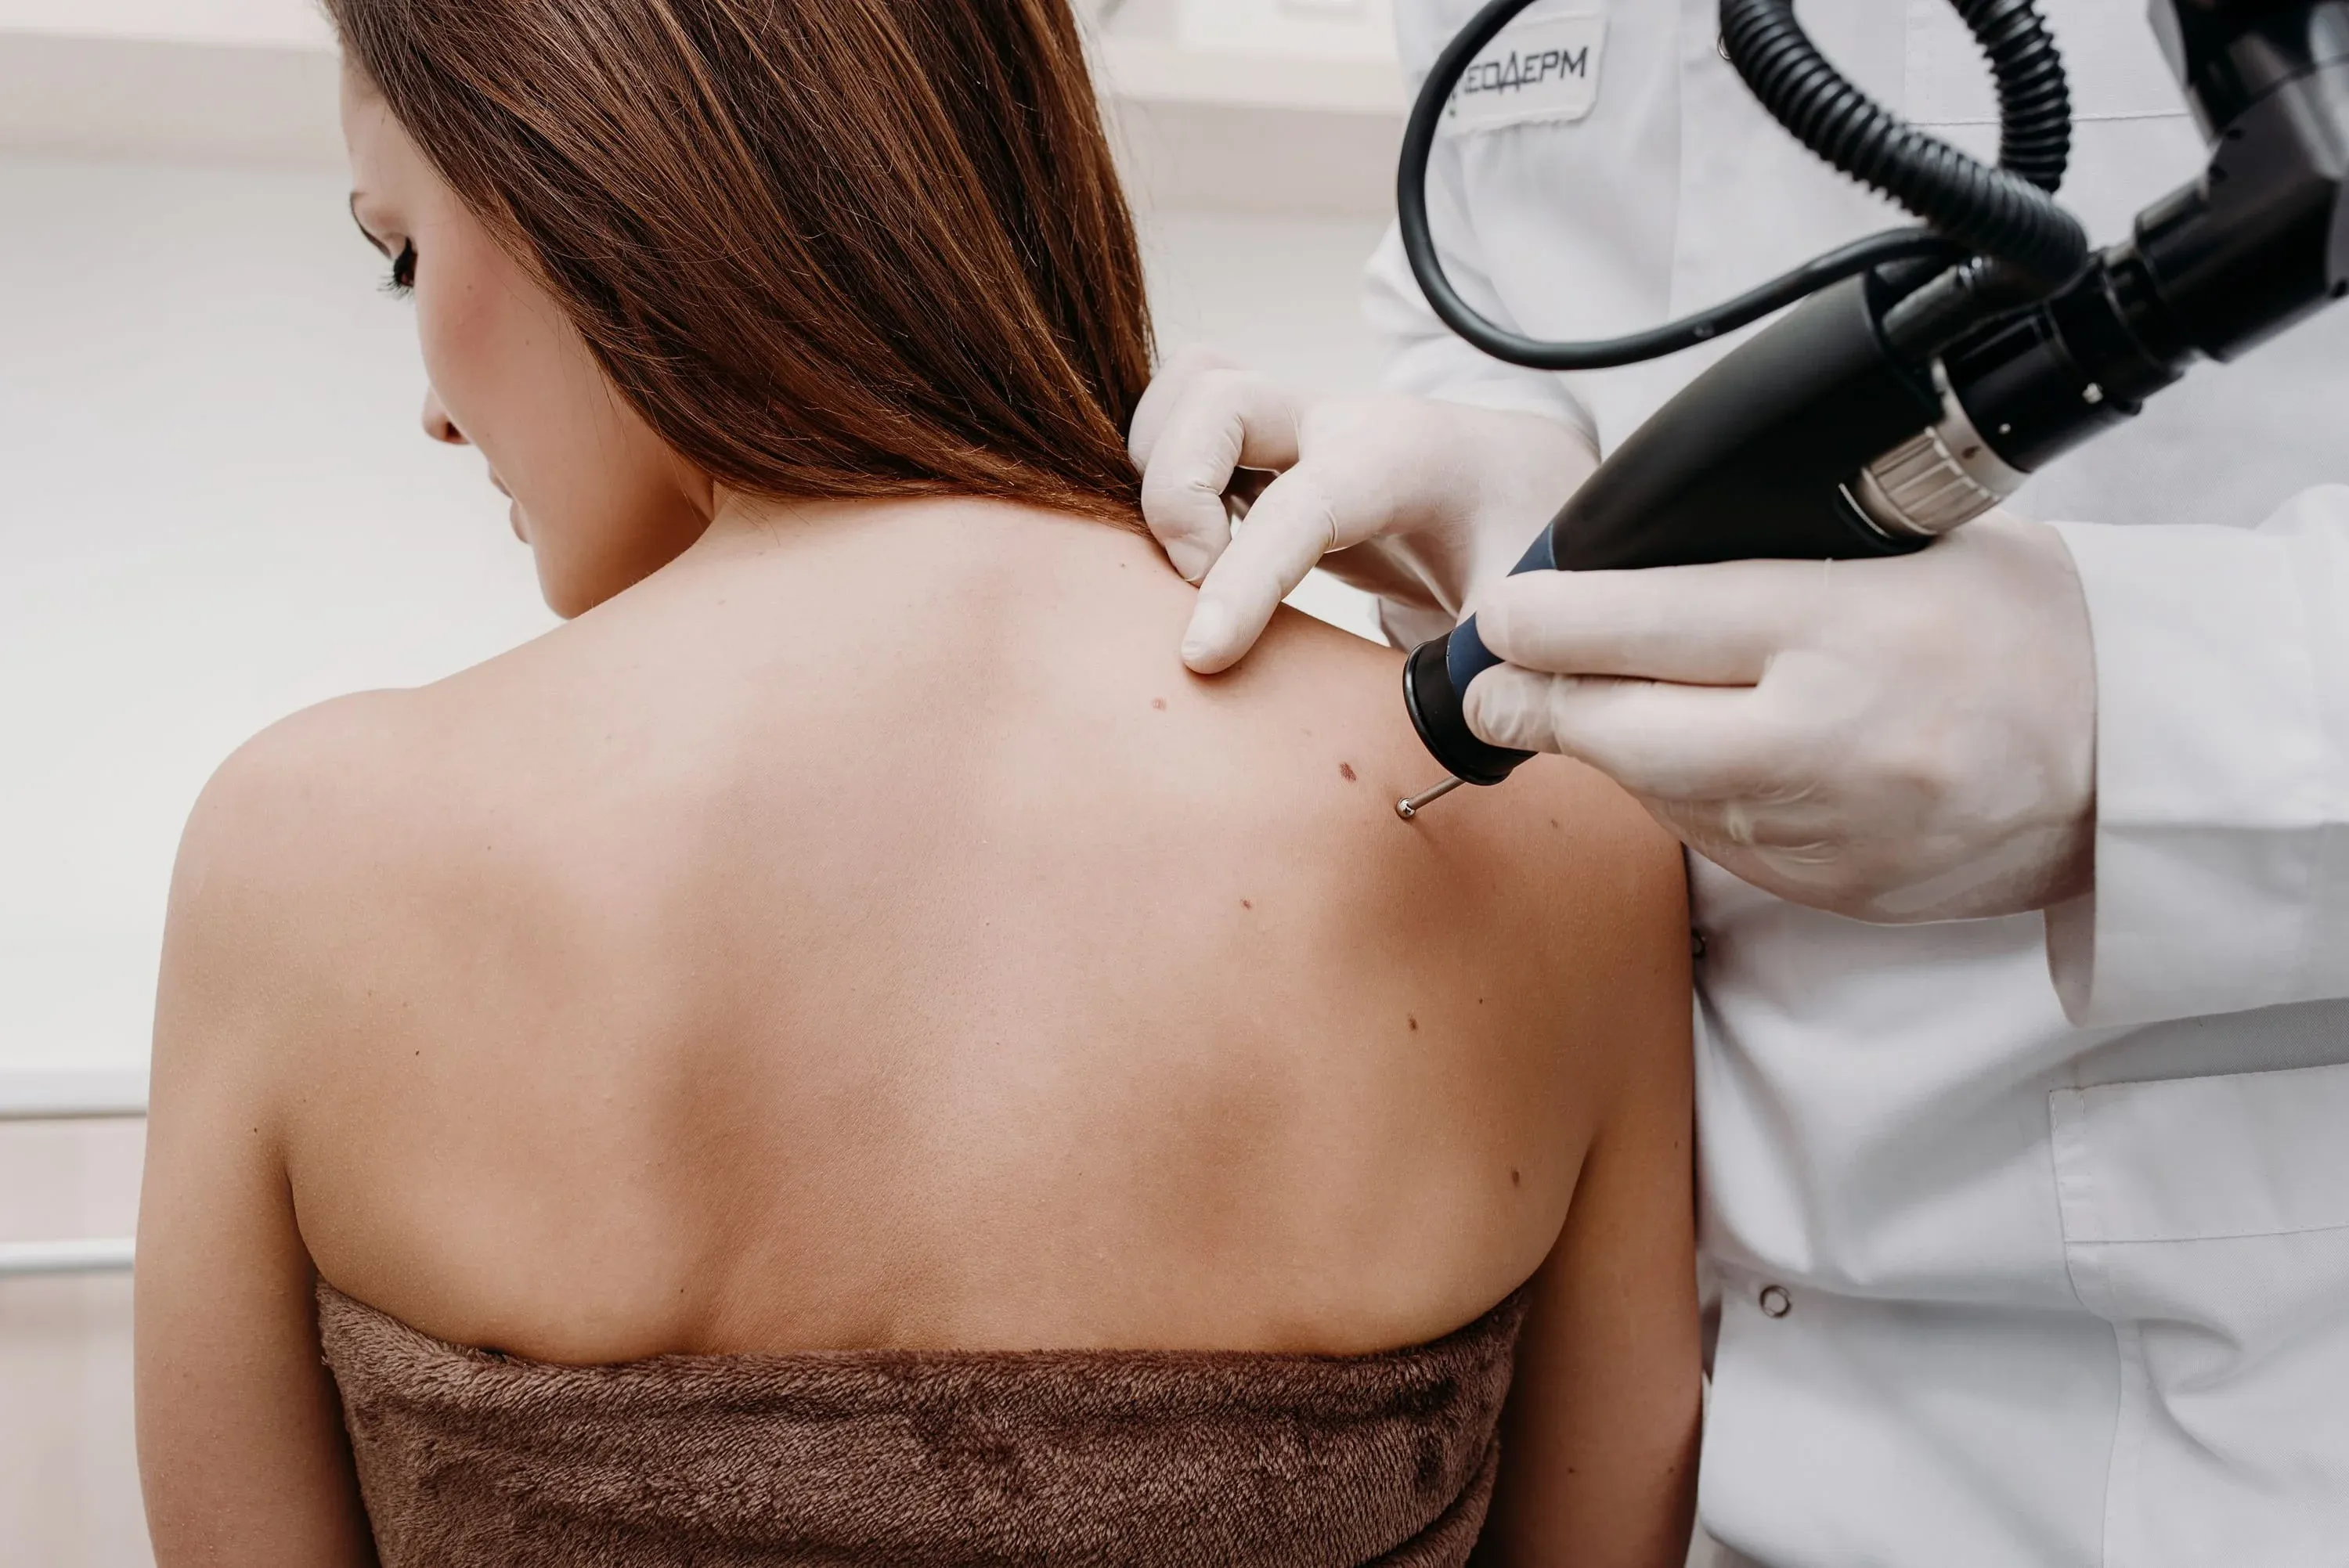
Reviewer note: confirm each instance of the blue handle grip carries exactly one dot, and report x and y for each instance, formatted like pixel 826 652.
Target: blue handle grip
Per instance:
pixel 1467 656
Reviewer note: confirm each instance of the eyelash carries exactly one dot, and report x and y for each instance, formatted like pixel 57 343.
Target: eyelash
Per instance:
pixel 402 281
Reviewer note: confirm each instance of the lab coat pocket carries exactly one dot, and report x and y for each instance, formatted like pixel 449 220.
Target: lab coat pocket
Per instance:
pixel 2207 1219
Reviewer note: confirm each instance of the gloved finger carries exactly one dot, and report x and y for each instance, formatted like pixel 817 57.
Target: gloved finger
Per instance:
pixel 1288 531
pixel 1659 740
pixel 1716 624
pixel 1225 419
pixel 1165 392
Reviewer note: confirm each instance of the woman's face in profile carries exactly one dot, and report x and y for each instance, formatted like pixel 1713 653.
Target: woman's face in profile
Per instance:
pixel 601 500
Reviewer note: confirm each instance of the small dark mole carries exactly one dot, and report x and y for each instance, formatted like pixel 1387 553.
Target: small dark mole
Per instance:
pixel 1346 771
pixel 1159 703
pixel 1553 821
pixel 1412 1021
pixel 1248 904
pixel 1515 1179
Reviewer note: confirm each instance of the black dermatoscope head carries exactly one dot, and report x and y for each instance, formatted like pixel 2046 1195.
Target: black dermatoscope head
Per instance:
pixel 1928 372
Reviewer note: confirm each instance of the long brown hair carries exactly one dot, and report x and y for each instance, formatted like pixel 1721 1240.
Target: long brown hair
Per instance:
pixel 825 247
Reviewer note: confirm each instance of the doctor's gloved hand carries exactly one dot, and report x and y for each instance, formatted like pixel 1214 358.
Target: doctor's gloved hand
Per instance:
pixel 1416 501
pixel 1904 739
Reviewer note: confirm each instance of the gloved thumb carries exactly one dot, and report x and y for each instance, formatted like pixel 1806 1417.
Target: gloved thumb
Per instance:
pixel 1508 707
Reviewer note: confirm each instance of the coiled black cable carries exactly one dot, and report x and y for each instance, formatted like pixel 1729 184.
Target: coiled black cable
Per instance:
pixel 2004 213
pixel 2034 102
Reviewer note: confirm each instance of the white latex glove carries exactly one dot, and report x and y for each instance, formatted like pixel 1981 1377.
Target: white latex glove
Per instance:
pixel 1896 740
pixel 1412 499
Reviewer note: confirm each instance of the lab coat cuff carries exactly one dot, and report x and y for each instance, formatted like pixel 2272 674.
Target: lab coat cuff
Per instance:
pixel 2222 736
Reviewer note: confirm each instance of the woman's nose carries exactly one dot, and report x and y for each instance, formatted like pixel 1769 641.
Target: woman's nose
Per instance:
pixel 439 425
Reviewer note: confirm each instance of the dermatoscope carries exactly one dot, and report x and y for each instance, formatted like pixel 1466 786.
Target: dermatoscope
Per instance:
pixel 1926 371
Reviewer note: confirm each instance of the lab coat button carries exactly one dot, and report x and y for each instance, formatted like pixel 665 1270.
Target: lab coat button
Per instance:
pixel 1774 1301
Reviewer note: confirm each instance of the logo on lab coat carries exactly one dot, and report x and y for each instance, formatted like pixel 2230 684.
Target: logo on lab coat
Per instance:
pixel 1534 71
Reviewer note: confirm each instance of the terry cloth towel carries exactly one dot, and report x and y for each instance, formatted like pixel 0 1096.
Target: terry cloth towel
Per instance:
pixel 899 1459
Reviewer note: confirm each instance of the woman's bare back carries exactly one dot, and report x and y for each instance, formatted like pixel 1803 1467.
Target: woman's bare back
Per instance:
pixel 727 971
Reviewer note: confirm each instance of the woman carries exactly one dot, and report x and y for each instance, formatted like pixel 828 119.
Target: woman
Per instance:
pixel 842 1053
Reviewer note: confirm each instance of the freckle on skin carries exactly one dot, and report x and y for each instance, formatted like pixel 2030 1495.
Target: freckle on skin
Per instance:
pixel 1346 771
pixel 1248 904
pixel 1413 1022
pixel 1516 1179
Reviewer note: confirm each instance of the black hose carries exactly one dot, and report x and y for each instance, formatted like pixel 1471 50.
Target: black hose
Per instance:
pixel 2003 213
pixel 2034 102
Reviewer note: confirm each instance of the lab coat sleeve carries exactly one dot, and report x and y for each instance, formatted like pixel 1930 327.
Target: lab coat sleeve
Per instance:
pixel 1425 359
pixel 2222 768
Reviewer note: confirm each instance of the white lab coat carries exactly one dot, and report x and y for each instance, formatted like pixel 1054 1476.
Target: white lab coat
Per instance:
pixel 2058 1289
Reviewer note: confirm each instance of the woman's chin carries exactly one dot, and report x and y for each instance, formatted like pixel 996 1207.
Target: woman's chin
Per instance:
pixel 514 521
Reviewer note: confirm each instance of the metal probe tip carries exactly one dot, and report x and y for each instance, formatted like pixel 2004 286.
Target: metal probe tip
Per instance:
pixel 1408 809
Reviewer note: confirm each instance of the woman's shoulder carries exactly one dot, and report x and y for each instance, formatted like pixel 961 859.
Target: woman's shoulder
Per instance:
pixel 345 770
pixel 316 832
pixel 273 896
pixel 326 774
pixel 352 785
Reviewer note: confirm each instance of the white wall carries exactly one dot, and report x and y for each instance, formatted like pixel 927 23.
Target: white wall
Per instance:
pixel 216 507
pixel 68 1480
pixel 1279 293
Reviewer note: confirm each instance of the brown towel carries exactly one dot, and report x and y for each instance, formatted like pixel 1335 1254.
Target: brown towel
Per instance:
pixel 903 1458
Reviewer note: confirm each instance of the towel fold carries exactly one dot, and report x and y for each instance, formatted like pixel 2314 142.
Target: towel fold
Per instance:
pixel 1144 1458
